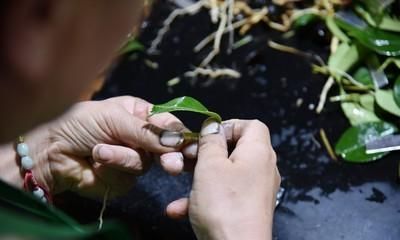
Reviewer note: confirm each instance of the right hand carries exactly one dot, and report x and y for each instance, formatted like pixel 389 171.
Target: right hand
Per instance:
pixel 233 196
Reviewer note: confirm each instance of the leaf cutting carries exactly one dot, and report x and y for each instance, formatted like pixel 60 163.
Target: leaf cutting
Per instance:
pixel 185 103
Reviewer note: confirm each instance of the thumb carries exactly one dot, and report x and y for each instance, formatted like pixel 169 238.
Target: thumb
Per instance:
pixel 212 143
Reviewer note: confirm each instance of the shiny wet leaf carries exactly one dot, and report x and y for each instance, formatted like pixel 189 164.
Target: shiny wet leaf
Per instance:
pixel 357 114
pixel 382 42
pixel 187 104
pixel 351 145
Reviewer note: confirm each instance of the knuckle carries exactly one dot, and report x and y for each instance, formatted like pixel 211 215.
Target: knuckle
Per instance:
pixel 259 125
pixel 260 128
pixel 144 132
pixel 273 157
pixel 268 153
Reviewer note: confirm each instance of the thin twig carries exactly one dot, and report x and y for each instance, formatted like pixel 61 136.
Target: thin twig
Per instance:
pixel 218 36
pixel 190 10
pixel 231 5
pixel 214 10
pixel 324 93
pixel 292 50
pixel 213 73
pixel 211 37
pixel 344 74
pixel 103 208
pixel 327 144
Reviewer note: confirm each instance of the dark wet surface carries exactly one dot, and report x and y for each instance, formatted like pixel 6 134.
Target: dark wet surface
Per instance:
pixel 325 199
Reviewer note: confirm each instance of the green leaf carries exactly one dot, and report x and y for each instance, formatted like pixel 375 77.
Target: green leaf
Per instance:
pixel 367 101
pixel 22 227
pixel 384 43
pixel 130 46
pixel 363 76
pixel 357 114
pixel 335 30
pixel 184 104
pixel 396 91
pixel 377 8
pixel 32 206
pixel 386 23
pixel 385 99
pixel 304 20
pixel 345 57
pixel 351 145
pixel 25 217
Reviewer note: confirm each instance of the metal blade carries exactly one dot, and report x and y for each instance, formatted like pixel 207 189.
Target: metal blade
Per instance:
pixel 384 144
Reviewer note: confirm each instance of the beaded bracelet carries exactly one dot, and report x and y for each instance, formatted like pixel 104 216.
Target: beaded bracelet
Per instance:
pixel 30 183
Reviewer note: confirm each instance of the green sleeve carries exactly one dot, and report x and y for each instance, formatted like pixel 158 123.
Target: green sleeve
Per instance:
pixel 23 215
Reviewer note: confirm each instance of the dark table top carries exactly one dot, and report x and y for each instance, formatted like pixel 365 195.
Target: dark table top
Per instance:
pixel 325 199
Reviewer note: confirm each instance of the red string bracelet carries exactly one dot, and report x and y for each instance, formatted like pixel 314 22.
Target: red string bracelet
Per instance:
pixel 30 183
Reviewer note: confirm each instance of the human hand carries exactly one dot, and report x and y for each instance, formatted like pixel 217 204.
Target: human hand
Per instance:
pixel 101 144
pixel 233 196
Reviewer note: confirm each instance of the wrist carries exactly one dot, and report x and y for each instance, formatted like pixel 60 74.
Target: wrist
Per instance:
pixel 38 143
pixel 238 230
pixel 9 167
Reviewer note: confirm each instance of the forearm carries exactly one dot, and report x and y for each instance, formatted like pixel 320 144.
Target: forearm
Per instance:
pixel 238 230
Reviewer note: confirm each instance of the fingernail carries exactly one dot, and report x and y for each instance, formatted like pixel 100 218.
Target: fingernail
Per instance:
pixel 191 150
pixel 105 153
pixel 171 139
pixel 228 130
pixel 210 126
pixel 172 161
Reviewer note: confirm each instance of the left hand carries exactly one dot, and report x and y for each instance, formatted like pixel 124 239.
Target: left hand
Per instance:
pixel 100 144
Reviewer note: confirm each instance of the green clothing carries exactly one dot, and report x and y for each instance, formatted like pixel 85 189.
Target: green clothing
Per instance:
pixel 24 216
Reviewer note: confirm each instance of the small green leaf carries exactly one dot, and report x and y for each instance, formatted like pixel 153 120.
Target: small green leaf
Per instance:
pixel 357 114
pixel 304 20
pixel 335 30
pixel 130 46
pixel 351 145
pixel 386 23
pixel 362 75
pixel 396 91
pixel 384 43
pixel 184 104
pixel 367 101
pixel 385 99
pixel 377 8
pixel 345 57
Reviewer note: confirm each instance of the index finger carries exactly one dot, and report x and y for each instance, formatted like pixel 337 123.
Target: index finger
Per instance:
pixel 141 108
pixel 241 131
pixel 251 138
